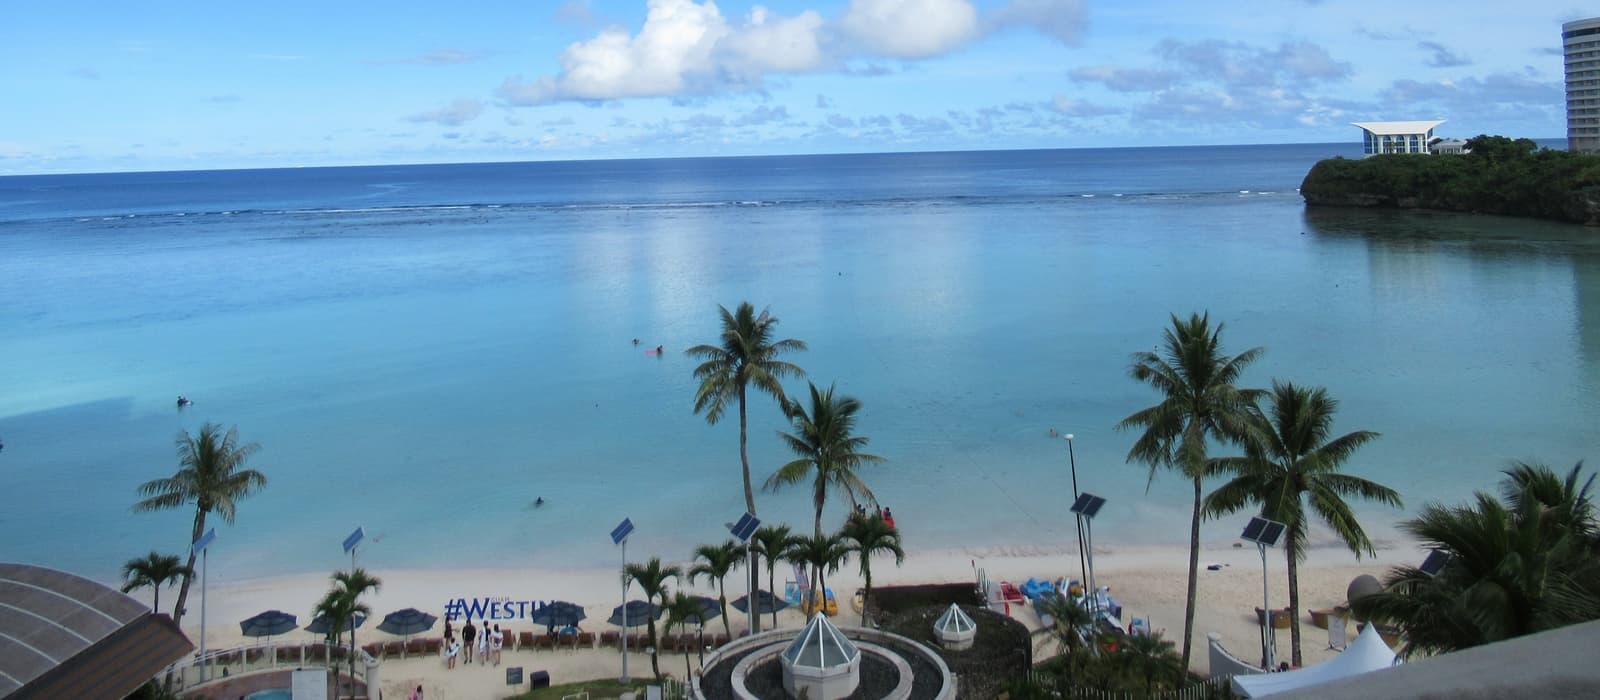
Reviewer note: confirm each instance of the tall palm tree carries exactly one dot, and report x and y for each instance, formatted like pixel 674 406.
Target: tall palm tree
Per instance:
pixel 744 355
pixel 864 537
pixel 1072 622
pixel 681 610
pixel 652 579
pixel 342 603
pixel 1199 404
pixel 1524 564
pixel 211 476
pixel 772 541
pixel 823 553
pixel 154 570
pixel 716 561
pixel 1290 461
pixel 829 450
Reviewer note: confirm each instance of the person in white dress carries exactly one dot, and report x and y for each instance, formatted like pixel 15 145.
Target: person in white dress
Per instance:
pixel 497 639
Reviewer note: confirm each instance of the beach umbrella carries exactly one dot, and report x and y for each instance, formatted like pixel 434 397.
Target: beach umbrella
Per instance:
pixel 639 613
pixel 268 624
pixel 765 603
pixel 407 622
pixel 710 609
pixel 322 624
pixel 557 614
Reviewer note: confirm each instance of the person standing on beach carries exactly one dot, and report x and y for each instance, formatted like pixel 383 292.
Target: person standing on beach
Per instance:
pixel 483 644
pixel 497 639
pixel 451 651
pixel 469 634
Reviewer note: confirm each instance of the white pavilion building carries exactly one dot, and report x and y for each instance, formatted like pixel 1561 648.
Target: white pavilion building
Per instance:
pixel 1397 137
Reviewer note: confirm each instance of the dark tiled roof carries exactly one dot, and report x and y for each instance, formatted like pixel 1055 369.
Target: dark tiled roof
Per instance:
pixel 65 636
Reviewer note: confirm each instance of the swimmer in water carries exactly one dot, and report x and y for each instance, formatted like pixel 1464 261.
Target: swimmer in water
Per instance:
pixel 658 349
pixel 635 341
pixel 538 501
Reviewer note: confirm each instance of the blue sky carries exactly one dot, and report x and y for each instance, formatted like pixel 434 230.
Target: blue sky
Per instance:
pixel 105 86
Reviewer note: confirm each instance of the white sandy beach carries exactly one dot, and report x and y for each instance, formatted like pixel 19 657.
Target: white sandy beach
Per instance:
pixel 1148 581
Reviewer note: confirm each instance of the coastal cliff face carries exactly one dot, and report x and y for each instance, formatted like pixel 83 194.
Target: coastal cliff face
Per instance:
pixel 1500 176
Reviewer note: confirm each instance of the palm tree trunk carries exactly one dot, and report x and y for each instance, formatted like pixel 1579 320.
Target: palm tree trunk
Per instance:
pixel 188 574
pixel 750 505
pixel 655 666
pixel 1292 550
pixel 866 595
pixel 722 597
pixel 686 671
pixel 1194 573
pixel 771 586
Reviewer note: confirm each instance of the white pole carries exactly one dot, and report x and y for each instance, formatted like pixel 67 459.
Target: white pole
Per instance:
pixel 625 678
pixel 204 560
pixel 1266 617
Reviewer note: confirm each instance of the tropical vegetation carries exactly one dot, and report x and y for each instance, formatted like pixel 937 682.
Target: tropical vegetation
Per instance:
pixel 772 542
pixel 828 450
pixel 864 536
pixel 652 578
pixel 716 561
pixel 1498 176
pixel 823 554
pixel 340 606
pixel 746 354
pixel 1525 562
pixel 1199 404
pixel 154 570
pixel 1289 463
pixel 212 477
pixel 681 611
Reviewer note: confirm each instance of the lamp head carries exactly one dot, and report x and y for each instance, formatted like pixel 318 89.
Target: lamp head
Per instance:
pixel 1068 436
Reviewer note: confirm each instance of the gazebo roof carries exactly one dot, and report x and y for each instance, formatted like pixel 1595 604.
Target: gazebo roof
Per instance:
pixel 1398 128
pixel 821 645
pixel 954 621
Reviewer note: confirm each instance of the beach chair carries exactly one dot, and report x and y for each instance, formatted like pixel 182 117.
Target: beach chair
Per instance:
pixel 314 653
pixel 586 640
pixel 525 640
pixel 284 655
pixel 610 639
pixel 374 649
pixel 395 649
pixel 1338 635
pixel 547 642
pixel 718 641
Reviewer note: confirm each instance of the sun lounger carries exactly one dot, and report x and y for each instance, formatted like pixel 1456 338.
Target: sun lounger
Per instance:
pixel 609 639
pixel 585 640
pixel 546 642
pixel 432 645
pixel 720 641
pixel 287 655
pixel 525 640
pixel 1280 618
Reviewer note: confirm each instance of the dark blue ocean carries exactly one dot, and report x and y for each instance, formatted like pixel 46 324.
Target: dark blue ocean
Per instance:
pixel 424 350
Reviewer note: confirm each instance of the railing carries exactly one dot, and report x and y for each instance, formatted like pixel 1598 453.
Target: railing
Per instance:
pixel 1197 690
pixel 262 656
pixel 672 689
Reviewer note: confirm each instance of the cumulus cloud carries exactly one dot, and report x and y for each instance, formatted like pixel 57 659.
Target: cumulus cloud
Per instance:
pixel 823 102
pixel 1123 79
pixel 1077 108
pixel 1062 19
pixel 688 48
pixel 762 115
pixel 454 114
pixel 1441 57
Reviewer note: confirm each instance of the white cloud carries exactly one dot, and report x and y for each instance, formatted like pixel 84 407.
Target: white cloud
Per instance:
pixel 910 28
pixel 688 48
pixel 454 114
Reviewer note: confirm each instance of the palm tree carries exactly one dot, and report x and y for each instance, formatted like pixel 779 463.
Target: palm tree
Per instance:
pixel 342 603
pixel 1072 622
pixel 682 609
pixel 866 536
pixel 1289 460
pixel 1522 564
pixel 822 553
pixel 1199 403
pixel 829 450
pixel 212 477
pixel 771 541
pixel 746 354
pixel 652 579
pixel 1150 656
pixel 716 561
pixel 154 570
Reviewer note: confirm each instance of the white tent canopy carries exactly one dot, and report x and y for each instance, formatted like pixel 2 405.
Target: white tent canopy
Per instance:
pixel 1367 653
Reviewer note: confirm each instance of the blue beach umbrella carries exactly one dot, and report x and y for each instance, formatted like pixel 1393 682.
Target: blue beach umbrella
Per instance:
pixel 557 614
pixel 268 624
pixel 321 625
pixel 639 613
pixel 407 622
pixel 765 603
pixel 710 609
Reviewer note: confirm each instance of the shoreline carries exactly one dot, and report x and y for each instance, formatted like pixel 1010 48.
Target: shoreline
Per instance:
pixel 1149 581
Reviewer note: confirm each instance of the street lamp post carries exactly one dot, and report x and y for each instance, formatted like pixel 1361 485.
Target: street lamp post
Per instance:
pixel 203 545
pixel 619 535
pixel 743 530
pixel 1083 570
pixel 1264 533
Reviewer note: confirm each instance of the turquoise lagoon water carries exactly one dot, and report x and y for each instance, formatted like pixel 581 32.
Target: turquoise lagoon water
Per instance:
pixel 423 351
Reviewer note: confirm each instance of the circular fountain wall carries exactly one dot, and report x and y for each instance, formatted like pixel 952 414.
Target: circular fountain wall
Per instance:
pixel 891 667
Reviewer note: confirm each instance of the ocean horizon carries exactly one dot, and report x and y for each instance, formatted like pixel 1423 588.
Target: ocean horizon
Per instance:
pixel 424 350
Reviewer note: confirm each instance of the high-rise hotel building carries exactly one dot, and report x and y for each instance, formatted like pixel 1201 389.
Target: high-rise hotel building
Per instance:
pixel 1580 42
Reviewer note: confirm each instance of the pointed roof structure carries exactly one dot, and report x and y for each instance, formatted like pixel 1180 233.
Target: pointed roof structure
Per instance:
pixel 1366 654
pixel 954 621
pixel 821 646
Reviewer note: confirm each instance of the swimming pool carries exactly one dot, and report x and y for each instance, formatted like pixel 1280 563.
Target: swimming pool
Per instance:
pixel 273 694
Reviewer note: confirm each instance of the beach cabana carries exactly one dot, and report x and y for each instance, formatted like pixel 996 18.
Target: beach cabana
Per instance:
pixel 1367 653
